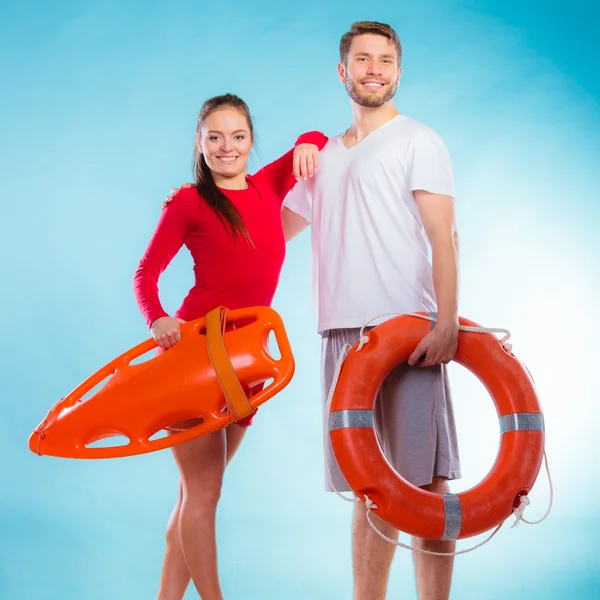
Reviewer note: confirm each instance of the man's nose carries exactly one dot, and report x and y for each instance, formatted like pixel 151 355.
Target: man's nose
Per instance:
pixel 373 68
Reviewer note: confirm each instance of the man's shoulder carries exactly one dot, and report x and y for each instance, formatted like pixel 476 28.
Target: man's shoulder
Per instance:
pixel 332 142
pixel 415 129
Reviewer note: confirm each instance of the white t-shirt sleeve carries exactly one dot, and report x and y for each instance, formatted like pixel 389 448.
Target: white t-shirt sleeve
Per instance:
pixel 299 201
pixel 430 167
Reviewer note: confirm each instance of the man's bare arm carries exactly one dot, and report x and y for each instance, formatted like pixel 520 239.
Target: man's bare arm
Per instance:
pixel 439 220
pixel 292 223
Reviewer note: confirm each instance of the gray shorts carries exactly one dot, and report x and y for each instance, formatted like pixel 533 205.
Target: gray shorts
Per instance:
pixel 414 419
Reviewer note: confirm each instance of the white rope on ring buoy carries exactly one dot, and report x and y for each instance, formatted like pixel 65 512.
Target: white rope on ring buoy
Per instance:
pixel 525 502
pixel 369 504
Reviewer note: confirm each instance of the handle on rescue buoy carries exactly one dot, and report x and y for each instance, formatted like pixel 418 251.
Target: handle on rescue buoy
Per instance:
pixel 283 367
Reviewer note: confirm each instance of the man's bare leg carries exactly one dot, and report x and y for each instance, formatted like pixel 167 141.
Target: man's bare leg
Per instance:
pixel 434 573
pixel 371 555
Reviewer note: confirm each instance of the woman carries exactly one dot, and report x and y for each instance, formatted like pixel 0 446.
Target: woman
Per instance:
pixel 231 223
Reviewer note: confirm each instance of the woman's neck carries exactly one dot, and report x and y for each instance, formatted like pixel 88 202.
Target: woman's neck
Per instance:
pixel 231 183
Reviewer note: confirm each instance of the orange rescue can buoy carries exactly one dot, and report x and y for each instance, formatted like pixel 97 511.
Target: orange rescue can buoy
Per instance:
pixel 369 474
pixel 205 377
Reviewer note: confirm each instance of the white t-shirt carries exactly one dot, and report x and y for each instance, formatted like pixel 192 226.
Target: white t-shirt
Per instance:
pixel 370 254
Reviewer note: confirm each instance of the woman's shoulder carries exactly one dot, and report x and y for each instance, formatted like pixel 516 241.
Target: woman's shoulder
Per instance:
pixel 186 195
pixel 184 201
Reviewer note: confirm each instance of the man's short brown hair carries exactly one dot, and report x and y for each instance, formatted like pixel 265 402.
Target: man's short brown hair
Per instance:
pixel 372 27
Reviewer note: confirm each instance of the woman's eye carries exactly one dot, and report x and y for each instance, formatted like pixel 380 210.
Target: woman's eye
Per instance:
pixel 240 137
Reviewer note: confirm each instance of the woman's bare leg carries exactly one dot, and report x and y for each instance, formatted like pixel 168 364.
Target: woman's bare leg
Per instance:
pixel 175 575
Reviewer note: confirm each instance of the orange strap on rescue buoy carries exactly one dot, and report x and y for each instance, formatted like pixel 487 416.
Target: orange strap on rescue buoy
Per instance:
pixel 137 400
pixel 236 398
pixel 370 475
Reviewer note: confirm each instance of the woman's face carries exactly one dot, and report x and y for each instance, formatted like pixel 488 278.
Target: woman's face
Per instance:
pixel 225 141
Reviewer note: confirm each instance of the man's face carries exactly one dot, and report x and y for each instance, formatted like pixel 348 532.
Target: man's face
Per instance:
pixel 371 73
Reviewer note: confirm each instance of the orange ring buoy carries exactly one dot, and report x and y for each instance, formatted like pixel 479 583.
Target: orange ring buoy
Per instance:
pixel 203 377
pixel 411 509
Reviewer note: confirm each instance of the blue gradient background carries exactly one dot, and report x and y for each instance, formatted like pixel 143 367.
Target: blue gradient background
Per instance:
pixel 98 104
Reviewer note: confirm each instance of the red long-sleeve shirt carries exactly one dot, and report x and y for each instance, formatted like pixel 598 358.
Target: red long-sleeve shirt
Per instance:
pixel 228 271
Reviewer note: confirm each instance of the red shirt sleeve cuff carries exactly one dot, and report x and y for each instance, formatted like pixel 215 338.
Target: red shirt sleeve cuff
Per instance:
pixel 313 137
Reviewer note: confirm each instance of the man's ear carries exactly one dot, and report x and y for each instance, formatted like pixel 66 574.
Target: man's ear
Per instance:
pixel 399 76
pixel 342 72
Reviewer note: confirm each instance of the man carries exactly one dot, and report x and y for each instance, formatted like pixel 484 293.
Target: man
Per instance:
pixel 384 189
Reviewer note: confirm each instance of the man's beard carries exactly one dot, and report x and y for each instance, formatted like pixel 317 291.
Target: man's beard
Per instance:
pixel 366 99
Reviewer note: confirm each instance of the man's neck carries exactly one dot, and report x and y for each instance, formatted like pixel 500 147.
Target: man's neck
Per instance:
pixel 367 120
